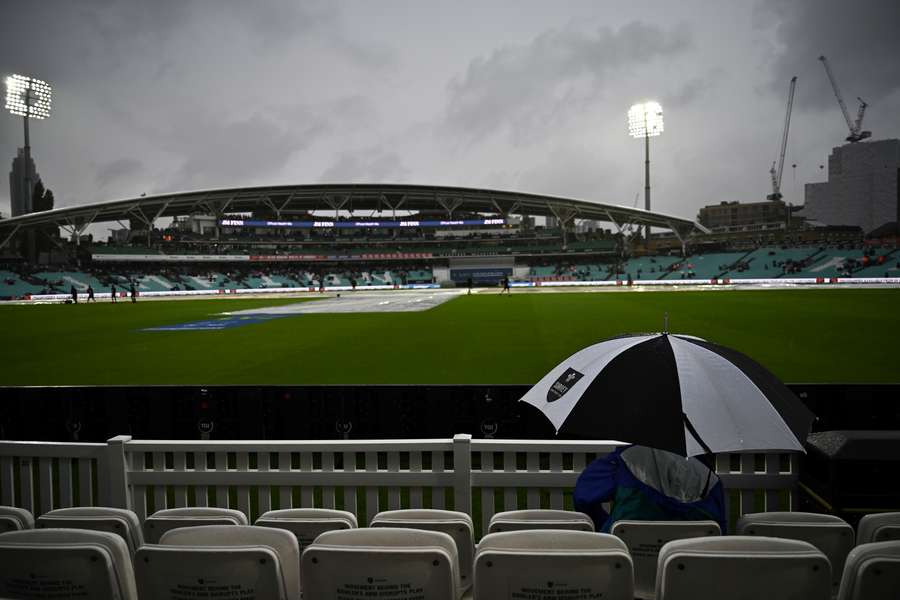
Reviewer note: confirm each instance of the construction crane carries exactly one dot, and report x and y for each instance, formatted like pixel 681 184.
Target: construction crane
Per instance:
pixel 776 172
pixel 856 133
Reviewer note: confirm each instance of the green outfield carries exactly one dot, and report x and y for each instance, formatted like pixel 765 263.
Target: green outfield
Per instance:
pixel 801 335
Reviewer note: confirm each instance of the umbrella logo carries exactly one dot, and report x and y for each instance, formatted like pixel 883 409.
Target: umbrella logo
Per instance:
pixel 563 384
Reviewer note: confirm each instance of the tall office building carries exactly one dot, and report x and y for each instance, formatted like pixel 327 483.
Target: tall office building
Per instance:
pixel 863 187
pixel 19 198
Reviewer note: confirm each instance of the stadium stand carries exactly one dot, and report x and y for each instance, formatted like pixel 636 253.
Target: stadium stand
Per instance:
pixel 542 546
pixel 12 285
pixel 648 267
pixel 705 266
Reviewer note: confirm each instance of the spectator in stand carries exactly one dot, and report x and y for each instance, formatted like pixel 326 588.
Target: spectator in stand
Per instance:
pixel 647 484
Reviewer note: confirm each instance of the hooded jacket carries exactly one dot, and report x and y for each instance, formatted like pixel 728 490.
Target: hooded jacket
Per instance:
pixel 646 484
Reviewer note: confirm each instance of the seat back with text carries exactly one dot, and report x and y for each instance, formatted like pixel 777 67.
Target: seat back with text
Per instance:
pixel 457 525
pixel 120 521
pixel 517 520
pixel 742 568
pixel 65 563
pixel 832 535
pixel 645 539
pixel 547 563
pixel 244 558
pixel 381 562
pixel 15 519
pixel 872 572
pixel 172 518
pixel 881 527
pixel 307 523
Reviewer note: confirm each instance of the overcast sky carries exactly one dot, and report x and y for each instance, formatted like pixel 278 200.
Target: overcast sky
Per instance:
pixel 166 95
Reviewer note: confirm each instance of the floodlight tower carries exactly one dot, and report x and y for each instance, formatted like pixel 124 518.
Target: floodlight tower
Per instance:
pixel 645 120
pixel 29 98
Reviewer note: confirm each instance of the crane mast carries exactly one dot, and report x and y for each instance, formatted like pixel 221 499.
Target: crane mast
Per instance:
pixel 855 127
pixel 776 172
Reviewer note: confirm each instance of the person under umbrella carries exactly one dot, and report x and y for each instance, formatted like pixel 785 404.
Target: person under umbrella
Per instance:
pixel 677 396
pixel 646 484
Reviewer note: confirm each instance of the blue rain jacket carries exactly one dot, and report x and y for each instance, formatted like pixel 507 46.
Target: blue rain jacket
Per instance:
pixel 648 485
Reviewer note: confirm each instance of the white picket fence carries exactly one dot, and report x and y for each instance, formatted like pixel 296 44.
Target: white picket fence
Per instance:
pixel 479 477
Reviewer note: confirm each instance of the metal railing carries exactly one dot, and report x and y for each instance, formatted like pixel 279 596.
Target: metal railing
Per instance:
pixel 480 477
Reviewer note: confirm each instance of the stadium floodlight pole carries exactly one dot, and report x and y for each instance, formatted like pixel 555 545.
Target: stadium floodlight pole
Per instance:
pixel 645 120
pixel 28 98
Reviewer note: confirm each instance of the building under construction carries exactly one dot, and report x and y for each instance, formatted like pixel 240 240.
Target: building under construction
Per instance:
pixel 863 187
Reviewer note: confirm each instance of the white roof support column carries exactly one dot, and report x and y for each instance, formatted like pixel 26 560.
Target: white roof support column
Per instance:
pixel 275 210
pixel 566 215
pixel 682 236
pixel 393 207
pixel 449 205
pixel 76 229
pixel 337 205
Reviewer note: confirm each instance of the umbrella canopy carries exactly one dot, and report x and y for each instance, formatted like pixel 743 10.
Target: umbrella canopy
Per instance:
pixel 673 392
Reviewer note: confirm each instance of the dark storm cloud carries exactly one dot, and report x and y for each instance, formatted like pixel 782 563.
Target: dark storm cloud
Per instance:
pixel 861 40
pixel 522 87
pixel 240 152
pixel 690 91
pixel 117 170
pixel 370 164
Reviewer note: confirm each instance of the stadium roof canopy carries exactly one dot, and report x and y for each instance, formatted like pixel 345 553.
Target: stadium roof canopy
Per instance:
pixel 371 200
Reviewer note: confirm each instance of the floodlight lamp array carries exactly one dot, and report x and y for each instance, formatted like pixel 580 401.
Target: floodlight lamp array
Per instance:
pixel 645 119
pixel 28 97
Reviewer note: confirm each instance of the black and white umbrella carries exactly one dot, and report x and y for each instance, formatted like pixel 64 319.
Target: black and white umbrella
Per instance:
pixel 673 392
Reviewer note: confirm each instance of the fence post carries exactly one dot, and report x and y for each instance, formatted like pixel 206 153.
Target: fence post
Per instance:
pixel 462 472
pixel 116 492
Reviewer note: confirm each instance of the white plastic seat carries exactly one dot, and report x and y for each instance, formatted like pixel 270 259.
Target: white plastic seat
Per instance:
pixel 205 561
pixel 307 523
pixel 65 563
pixel 97 518
pixel 13 518
pixel 872 572
pixel 379 561
pixel 832 535
pixel 517 520
pixel 881 527
pixel 545 563
pixel 172 518
pixel 457 525
pixel 742 568
pixel 644 540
